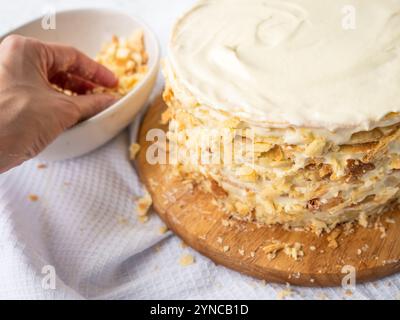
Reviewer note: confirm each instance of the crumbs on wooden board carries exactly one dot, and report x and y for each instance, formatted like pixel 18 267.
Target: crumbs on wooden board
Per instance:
pixel 333 237
pixel 390 221
pixel 273 249
pixel 294 251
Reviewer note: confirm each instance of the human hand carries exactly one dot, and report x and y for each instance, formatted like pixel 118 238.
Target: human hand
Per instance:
pixel 32 112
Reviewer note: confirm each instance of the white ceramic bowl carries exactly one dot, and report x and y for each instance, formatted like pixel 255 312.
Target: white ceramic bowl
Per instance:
pixel 88 30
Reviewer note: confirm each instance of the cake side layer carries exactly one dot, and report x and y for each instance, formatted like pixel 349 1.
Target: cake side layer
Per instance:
pixel 305 182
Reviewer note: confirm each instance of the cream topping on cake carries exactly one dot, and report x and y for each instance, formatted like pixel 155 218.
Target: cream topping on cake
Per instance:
pixel 303 63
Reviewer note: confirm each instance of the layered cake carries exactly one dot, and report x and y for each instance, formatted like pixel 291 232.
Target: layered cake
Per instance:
pixel 288 110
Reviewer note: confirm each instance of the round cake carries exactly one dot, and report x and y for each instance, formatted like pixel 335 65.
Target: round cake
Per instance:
pixel 289 110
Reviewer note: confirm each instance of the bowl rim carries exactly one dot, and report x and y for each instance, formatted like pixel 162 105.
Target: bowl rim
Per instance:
pixel 151 36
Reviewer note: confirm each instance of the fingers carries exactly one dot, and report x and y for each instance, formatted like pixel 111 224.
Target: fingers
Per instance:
pixel 73 83
pixel 91 104
pixel 61 58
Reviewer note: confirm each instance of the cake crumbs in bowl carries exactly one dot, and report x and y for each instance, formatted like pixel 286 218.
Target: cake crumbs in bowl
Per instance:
pixel 273 249
pixel 127 59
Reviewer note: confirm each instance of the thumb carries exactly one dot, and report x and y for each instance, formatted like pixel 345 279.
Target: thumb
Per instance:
pixel 91 104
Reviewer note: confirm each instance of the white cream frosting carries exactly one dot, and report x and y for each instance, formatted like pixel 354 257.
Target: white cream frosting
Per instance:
pixel 292 62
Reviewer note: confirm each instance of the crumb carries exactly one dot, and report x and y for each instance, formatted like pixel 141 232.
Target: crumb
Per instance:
pixel 225 223
pixel 166 116
pixel 33 197
pixel 42 166
pixel 220 240
pixel 271 256
pixel 143 204
pixel 153 183
pixel 226 248
pixel 390 221
pixel 133 151
pixel 365 248
pixel 348 228
pixel 322 296
pixel 288 292
pixel 296 275
pixel 143 219
pixel 348 293
pixel 294 251
pixel 379 226
pixel 163 230
pixel 241 252
pixel 391 261
pixel 183 245
pixel 252 254
pixel 332 239
pixel 313 248
pixel 363 220
pixel 382 229
pixel 273 249
pixel 284 294
pixel 312 280
pixel 186 260
pixel 64 91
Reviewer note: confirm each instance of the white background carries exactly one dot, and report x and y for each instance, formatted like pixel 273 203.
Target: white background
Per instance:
pixel 85 225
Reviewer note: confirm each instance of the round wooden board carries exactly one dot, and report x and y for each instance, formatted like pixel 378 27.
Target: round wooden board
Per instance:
pixel 191 214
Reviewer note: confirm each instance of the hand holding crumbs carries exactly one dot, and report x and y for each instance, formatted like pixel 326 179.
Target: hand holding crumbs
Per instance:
pixel 32 112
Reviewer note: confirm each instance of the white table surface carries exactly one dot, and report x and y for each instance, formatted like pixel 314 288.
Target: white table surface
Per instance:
pixel 84 223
